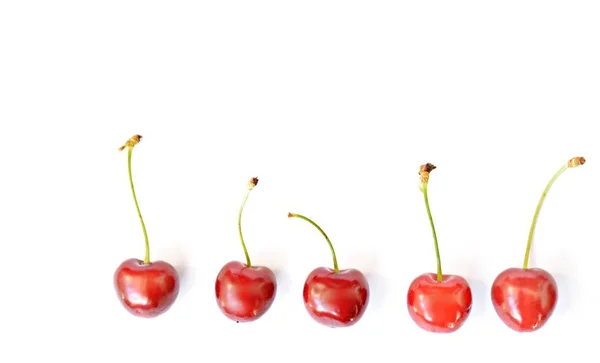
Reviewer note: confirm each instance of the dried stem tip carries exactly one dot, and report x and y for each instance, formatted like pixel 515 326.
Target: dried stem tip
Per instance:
pixel 134 140
pixel 252 183
pixel 576 161
pixel 424 171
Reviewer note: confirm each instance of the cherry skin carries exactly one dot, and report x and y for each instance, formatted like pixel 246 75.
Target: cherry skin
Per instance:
pixel 439 307
pixel 245 293
pixel 524 299
pixel 336 299
pixel 146 290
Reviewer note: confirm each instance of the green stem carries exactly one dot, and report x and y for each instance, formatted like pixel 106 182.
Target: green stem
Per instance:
pixel 336 269
pixel 440 276
pixel 147 256
pixel 248 263
pixel 537 213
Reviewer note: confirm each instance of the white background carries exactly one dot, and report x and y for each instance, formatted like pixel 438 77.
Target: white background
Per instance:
pixel 333 105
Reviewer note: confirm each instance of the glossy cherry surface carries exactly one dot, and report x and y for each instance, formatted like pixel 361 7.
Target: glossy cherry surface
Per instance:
pixel 439 307
pixel 245 293
pixel 146 290
pixel 336 299
pixel 524 299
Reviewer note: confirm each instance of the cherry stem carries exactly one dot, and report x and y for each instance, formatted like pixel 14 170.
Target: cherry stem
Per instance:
pixel 134 140
pixel 424 173
pixel 336 269
pixel 251 184
pixel 574 162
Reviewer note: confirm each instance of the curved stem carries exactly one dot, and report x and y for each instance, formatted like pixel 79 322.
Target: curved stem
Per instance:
pixel 574 162
pixel 424 172
pixel 251 184
pixel 147 256
pixel 336 269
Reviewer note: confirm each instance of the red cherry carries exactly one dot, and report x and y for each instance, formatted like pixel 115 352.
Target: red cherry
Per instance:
pixel 438 303
pixel 245 292
pixel 334 297
pixel 146 289
pixel 525 298
pixel 439 307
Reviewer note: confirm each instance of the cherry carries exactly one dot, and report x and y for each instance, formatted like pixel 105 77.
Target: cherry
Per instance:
pixel 146 289
pixel 525 298
pixel 438 303
pixel 245 292
pixel 334 297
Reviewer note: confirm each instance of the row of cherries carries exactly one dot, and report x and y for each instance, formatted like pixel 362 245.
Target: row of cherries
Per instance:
pixel 524 298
